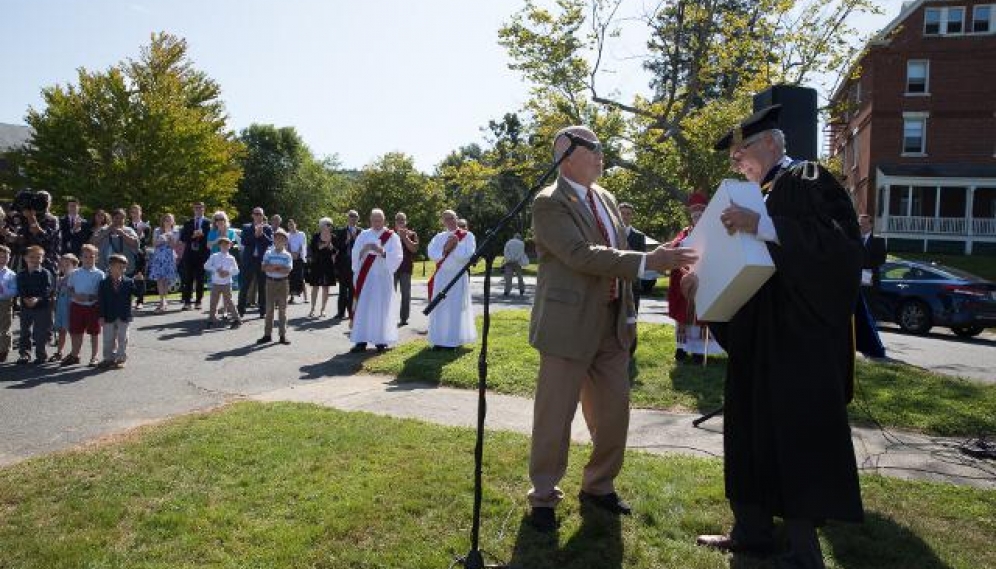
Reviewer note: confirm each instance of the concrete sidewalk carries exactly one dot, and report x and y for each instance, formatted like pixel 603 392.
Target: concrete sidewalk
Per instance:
pixel 901 455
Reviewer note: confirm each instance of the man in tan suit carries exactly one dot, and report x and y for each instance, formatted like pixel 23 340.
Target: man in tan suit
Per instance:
pixel 583 323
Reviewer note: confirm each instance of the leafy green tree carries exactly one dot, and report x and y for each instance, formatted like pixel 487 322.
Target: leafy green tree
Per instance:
pixel 706 59
pixel 150 130
pixel 393 184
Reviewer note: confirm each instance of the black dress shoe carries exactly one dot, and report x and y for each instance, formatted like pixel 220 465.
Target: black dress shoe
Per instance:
pixel 608 502
pixel 284 340
pixel 264 340
pixel 544 520
pixel 358 348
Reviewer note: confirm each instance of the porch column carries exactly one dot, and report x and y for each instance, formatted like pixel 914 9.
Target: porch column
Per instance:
pixel 884 208
pixel 969 222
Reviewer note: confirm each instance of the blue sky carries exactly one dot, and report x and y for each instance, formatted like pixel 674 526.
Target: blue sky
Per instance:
pixel 356 78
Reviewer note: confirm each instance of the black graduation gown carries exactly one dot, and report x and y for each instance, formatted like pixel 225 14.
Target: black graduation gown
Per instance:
pixel 787 441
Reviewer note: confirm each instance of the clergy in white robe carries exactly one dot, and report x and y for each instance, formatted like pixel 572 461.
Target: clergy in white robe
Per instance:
pixel 451 324
pixel 376 256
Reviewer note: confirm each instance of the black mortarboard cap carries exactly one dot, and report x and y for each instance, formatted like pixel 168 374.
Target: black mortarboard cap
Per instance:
pixel 765 119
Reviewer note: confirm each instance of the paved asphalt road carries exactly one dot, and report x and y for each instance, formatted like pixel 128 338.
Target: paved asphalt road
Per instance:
pixel 176 367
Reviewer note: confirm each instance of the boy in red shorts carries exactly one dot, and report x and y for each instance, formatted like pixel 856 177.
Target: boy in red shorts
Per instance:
pixel 84 315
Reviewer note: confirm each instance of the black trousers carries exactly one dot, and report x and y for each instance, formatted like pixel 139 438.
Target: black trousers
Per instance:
pixel 753 526
pixel 636 303
pixel 252 272
pixel 345 295
pixel 192 277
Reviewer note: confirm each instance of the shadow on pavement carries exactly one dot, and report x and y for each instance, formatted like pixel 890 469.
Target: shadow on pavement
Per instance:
pixel 949 337
pixel 181 328
pixel 339 364
pixel 30 376
pixel 239 351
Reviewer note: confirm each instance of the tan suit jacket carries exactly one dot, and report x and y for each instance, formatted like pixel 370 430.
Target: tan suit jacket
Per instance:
pixel 576 268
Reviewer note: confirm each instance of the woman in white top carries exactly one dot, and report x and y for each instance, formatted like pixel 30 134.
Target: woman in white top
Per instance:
pixel 297 245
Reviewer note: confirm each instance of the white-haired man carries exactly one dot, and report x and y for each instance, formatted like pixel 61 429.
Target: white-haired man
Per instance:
pixel 583 322
pixel 787 443
pixel 451 323
pixel 376 256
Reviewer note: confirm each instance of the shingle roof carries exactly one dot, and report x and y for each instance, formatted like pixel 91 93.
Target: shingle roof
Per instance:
pixel 13 136
pixel 939 170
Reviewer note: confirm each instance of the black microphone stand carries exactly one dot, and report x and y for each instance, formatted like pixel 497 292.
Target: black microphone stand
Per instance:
pixel 474 559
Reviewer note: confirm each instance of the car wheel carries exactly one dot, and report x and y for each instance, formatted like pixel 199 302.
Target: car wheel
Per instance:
pixel 967 331
pixel 914 317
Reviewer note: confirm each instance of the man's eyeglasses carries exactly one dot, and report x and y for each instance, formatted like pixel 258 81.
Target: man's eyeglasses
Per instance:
pixel 738 153
pixel 219 219
pixel 257 213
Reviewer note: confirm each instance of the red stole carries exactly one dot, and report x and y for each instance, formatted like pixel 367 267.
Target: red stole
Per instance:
pixel 460 234
pixel 367 263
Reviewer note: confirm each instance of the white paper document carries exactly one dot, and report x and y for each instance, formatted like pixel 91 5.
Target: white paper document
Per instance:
pixel 731 268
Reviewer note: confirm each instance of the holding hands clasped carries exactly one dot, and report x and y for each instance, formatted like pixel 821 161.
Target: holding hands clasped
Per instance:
pixel 737 218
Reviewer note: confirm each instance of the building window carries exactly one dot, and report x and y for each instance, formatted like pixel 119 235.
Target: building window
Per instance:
pixel 916 76
pixel 955 20
pixel 914 134
pixel 855 150
pixel 982 18
pixel 943 21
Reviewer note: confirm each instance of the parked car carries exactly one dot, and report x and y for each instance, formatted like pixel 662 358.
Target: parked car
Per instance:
pixel 918 296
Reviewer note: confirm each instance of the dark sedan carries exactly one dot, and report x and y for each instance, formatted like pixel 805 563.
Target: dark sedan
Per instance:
pixel 919 296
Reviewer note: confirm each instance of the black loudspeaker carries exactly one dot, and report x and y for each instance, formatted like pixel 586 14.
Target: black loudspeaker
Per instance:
pixel 797 120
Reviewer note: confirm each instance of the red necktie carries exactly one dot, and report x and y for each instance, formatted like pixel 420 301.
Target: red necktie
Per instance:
pixel 605 235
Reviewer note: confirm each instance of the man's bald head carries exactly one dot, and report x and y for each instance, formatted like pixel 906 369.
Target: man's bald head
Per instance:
pixel 584 165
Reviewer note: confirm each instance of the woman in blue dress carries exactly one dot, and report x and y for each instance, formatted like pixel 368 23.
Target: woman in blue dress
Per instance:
pixel 67 264
pixel 162 267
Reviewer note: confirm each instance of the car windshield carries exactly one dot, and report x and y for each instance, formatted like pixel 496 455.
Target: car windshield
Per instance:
pixel 955 273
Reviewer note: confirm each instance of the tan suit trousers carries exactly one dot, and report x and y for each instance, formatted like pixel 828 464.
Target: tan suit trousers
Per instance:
pixel 601 384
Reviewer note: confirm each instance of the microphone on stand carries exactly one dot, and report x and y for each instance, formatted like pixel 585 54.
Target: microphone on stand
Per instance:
pixel 581 141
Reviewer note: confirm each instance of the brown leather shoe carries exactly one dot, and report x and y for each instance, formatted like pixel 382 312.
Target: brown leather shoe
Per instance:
pixel 720 542
pixel 728 544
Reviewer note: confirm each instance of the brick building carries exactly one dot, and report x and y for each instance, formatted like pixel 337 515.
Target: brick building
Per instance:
pixel 915 128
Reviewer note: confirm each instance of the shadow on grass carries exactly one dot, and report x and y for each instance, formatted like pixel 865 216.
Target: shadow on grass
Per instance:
pixel 597 544
pixel 703 383
pixel 879 543
pixel 426 365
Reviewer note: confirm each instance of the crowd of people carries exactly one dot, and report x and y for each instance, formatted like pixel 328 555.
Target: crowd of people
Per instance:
pixel 791 352
pixel 53 270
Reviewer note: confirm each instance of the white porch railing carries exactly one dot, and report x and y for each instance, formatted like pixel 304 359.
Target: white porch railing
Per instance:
pixel 935 225
pixel 984 226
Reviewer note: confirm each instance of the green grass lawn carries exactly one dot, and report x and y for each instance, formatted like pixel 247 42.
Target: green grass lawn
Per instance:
pixel 294 485
pixel 897 395
pixel 980 265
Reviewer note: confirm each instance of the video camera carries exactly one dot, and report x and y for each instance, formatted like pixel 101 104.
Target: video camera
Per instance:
pixel 27 199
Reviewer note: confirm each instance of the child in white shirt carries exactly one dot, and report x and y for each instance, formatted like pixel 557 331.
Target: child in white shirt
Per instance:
pixel 223 267
pixel 8 292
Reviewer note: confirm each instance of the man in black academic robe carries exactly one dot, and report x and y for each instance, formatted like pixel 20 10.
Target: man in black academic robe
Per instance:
pixel 787 441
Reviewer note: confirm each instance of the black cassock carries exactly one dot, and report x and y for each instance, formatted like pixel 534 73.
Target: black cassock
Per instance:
pixel 787 441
